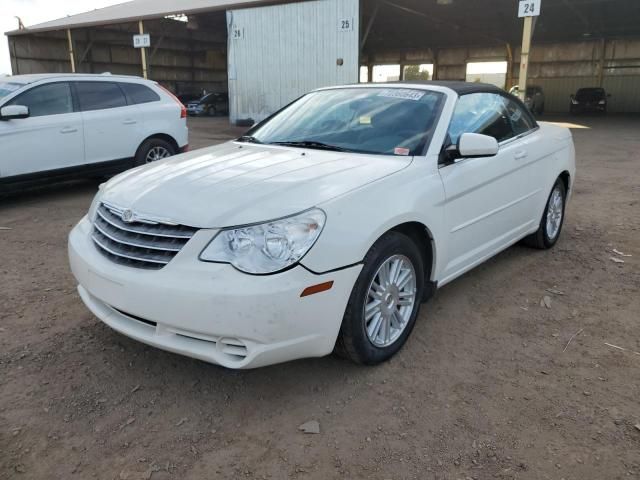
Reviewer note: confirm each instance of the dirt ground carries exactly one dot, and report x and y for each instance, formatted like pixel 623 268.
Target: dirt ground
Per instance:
pixel 490 385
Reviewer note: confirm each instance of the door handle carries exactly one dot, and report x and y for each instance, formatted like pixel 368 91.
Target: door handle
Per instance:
pixel 69 130
pixel 520 154
pixel 129 122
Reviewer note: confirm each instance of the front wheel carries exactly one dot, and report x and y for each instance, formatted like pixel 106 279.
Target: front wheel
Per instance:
pixel 385 301
pixel 552 220
pixel 152 150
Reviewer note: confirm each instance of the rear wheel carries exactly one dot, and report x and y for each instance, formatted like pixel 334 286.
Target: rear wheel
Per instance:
pixel 154 149
pixel 212 111
pixel 552 220
pixel 385 301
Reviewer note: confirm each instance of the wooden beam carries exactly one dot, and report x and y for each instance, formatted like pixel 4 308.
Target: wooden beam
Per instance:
pixel 71 54
pixel 143 51
pixel 369 26
pixel 603 52
pixel 155 48
pixel 509 79
pixel 86 51
pixel 527 34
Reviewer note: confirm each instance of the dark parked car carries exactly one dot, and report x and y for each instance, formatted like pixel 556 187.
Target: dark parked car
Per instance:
pixel 186 98
pixel 589 100
pixel 211 104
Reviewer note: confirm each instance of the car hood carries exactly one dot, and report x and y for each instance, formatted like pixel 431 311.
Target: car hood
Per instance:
pixel 235 184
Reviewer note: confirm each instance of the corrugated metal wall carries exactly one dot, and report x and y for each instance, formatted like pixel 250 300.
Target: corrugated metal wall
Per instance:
pixel 278 53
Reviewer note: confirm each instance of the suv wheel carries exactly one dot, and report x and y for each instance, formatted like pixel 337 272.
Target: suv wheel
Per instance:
pixel 153 150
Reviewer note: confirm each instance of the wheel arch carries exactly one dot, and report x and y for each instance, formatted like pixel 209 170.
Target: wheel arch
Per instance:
pixel 422 236
pixel 565 176
pixel 161 136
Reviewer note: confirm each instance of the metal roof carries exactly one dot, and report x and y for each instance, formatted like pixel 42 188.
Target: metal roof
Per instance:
pixel 140 10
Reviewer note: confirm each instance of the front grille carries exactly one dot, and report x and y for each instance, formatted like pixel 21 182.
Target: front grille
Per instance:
pixel 140 243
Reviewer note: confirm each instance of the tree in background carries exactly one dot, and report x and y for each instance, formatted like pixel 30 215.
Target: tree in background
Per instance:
pixel 412 72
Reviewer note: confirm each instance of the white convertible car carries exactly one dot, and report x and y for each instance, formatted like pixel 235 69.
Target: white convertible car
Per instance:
pixel 325 227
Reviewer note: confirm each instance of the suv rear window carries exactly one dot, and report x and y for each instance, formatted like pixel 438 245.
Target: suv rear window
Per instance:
pixel 100 95
pixel 137 93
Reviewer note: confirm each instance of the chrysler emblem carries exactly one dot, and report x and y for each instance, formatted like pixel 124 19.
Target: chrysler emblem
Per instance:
pixel 127 216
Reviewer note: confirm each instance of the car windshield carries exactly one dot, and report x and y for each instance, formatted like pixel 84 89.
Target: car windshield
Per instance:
pixel 590 94
pixel 7 88
pixel 385 121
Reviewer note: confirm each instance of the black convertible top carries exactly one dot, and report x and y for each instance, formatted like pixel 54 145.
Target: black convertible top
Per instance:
pixel 461 88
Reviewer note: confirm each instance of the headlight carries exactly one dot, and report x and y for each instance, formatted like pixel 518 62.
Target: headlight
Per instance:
pixel 269 247
pixel 574 101
pixel 602 102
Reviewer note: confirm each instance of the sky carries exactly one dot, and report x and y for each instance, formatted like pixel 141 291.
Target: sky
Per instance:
pixel 38 11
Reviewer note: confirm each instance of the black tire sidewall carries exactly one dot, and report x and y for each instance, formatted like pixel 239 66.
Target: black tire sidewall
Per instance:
pixel 353 328
pixel 548 242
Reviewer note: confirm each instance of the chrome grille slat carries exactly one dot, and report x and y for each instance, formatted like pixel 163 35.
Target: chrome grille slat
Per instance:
pixel 145 229
pixel 140 243
pixel 116 237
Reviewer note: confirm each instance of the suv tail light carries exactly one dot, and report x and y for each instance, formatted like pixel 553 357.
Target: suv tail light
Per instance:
pixel 183 109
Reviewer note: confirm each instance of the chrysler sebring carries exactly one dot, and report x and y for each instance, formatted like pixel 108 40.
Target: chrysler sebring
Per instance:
pixel 325 226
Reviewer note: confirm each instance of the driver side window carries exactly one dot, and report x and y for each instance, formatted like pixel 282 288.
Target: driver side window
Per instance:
pixel 49 99
pixel 484 113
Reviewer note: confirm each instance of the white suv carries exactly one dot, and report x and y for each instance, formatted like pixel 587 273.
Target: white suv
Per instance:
pixel 59 126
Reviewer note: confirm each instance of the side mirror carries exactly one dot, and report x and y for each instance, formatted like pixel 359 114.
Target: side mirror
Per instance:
pixel 14 112
pixel 477 145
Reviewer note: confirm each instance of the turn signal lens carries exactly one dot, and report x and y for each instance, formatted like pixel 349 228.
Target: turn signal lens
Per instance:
pixel 322 287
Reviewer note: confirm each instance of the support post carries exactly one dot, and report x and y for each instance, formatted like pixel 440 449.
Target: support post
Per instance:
pixel 435 65
pixel 603 53
pixel 143 52
pixel 509 67
pixel 71 54
pixel 527 33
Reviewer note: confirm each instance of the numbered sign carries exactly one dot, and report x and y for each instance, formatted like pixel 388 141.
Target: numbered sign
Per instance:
pixel 529 8
pixel 142 41
pixel 236 33
pixel 345 25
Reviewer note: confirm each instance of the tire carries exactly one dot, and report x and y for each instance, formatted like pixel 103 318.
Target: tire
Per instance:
pixel 152 150
pixel 373 345
pixel 212 112
pixel 549 232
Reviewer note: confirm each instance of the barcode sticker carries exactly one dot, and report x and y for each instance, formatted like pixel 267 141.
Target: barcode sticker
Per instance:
pixel 402 93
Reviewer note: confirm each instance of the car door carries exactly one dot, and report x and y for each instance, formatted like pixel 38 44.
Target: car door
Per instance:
pixel 51 138
pixel 487 199
pixel 112 127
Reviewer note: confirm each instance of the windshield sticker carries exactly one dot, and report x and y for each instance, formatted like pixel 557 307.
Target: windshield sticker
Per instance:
pixel 401 151
pixel 402 93
pixel 516 116
pixel 365 120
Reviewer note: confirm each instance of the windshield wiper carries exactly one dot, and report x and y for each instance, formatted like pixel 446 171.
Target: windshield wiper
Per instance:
pixel 312 144
pixel 248 139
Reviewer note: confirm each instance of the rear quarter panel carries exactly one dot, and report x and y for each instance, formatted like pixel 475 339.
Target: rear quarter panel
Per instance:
pixel 557 142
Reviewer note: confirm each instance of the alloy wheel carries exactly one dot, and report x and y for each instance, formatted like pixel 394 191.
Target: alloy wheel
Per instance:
pixel 555 211
pixel 157 153
pixel 390 301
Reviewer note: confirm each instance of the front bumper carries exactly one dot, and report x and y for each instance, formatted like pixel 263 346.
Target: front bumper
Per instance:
pixel 212 311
